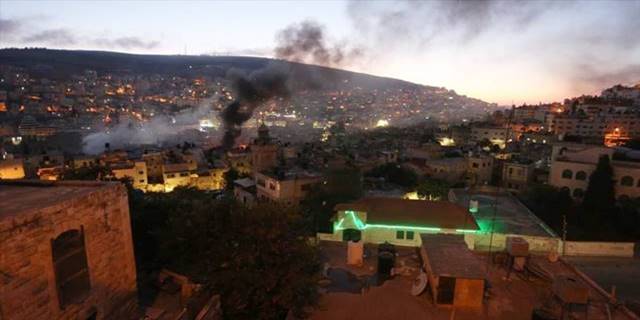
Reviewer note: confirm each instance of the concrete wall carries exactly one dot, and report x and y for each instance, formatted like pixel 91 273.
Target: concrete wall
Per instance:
pixel 606 249
pixel 27 278
pixel 482 242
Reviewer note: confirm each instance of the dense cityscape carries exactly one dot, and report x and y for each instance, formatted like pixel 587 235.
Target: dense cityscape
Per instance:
pixel 153 186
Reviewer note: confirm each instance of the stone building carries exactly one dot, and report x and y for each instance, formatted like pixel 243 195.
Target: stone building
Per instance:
pixel 264 152
pixel 67 251
pixel 572 164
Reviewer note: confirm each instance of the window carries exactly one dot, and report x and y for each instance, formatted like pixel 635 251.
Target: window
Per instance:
pixel 567 174
pixel 581 175
pixel 70 267
pixel 184 174
pixel 140 172
pixel 475 165
pixel 409 235
pixel 141 181
pixel 626 181
pixel 399 234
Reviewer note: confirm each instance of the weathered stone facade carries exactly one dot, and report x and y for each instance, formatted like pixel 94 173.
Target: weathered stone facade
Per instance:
pixel 31 216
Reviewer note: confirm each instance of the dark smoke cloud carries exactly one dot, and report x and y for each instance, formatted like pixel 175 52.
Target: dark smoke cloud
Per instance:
pixel 56 37
pixel 125 43
pixel 306 42
pixel 64 37
pixel 420 22
pixel 303 42
pixel 20 31
pixel 8 26
pixel 251 90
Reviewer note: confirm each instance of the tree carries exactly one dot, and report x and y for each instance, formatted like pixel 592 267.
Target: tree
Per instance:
pixel 633 144
pixel 342 185
pixel 395 173
pixel 550 204
pixel 433 189
pixel 258 259
pixel 230 176
pixel 599 199
pixel 94 172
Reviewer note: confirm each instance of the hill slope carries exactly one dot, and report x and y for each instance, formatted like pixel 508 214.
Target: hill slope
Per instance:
pixel 60 64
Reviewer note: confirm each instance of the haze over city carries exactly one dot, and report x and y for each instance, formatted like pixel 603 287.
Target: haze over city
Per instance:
pixel 324 160
pixel 498 51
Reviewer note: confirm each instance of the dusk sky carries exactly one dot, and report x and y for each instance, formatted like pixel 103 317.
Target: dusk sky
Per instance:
pixel 500 52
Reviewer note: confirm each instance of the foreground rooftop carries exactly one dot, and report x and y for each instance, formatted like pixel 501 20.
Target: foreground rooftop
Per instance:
pixel 508 298
pixel 21 196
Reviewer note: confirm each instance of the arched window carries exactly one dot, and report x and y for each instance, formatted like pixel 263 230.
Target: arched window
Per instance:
pixel 70 266
pixel 567 174
pixel 578 193
pixel 626 181
pixel 581 175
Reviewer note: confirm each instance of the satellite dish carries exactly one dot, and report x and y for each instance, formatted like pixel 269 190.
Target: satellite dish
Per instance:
pixel 419 284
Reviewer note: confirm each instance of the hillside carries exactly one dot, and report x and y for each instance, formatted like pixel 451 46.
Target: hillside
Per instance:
pixel 60 64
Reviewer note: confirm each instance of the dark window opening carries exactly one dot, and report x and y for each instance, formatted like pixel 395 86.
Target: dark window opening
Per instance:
pixel 446 289
pixel 399 234
pixel 70 267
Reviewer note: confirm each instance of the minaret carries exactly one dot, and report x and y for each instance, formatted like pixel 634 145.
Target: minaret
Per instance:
pixel 264 153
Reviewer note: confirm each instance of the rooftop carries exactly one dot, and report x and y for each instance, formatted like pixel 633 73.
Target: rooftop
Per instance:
pixel 348 294
pixel 501 212
pixel 21 196
pixel 449 255
pixel 437 214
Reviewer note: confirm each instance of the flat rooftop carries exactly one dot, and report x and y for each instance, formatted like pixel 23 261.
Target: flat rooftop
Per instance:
pixel 511 216
pixel 20 196
pixel 394 211
pixel 449 255
pixel 347 297
pixel 623 273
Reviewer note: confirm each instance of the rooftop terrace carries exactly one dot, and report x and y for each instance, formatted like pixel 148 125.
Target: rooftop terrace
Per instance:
pixel 501 212
pixel 350 294
pixel 20 196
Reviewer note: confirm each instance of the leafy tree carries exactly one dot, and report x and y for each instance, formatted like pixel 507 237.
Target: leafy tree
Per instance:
pixel 395 173
pixel 599 199
pixel 342 185
pixel 633 144
pixel 95 172
pixel 258 259
pixel 551 204
pixel 433 189
pixel 229 177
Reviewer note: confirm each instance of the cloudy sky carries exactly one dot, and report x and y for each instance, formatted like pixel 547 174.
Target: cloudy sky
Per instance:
pixel 499 51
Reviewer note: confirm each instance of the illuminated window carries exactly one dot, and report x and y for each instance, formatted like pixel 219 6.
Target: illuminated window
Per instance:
pixel 626 181
pixel 567 174
pixel 70 267
pixel 399 234
pixel 581 175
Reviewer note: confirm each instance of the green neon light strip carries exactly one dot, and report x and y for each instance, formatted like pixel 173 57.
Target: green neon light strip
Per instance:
pixel 362 226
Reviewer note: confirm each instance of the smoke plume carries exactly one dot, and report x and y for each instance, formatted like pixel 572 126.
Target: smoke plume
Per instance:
pixel 306 42
pixel 252 90
pixel 303 42
pixel 158 130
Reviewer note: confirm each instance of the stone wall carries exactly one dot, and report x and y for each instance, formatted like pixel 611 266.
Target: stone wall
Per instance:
pixel 27 278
